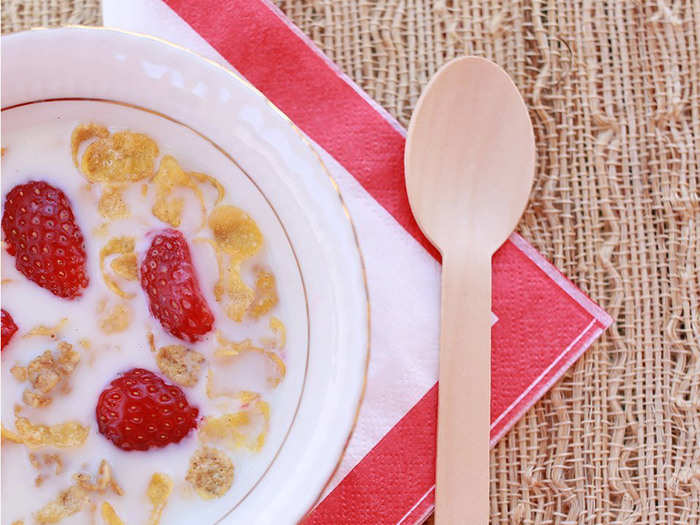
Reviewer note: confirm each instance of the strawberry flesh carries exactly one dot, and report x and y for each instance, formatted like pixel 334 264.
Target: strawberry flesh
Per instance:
pixel 169 279
pixel 41 232
pixel 8 328
pixel 139 411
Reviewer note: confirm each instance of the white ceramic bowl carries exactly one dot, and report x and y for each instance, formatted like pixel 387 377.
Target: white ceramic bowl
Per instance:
pixel 104 68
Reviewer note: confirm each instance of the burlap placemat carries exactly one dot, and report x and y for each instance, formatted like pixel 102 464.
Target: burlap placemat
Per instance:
pixel 614 92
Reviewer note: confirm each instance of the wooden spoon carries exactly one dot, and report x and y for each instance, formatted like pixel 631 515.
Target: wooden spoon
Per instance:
pixel 470 159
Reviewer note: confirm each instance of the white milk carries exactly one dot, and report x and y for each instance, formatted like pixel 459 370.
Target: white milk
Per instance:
pixel 37 138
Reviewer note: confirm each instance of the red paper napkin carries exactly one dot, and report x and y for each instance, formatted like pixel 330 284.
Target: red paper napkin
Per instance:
pixel 542 322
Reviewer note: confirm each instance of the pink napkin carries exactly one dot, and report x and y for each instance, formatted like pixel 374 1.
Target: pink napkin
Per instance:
pixel 542 322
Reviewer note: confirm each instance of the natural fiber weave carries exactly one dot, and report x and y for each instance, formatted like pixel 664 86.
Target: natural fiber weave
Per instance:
pixel 18 15
pixel 614 92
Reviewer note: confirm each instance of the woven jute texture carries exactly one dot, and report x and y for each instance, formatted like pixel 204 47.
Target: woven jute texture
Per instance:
pixel 614 93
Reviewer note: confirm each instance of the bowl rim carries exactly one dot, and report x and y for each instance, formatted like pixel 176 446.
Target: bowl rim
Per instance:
pixel 237 77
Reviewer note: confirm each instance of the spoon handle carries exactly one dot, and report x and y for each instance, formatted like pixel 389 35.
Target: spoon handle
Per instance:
pixel 462 485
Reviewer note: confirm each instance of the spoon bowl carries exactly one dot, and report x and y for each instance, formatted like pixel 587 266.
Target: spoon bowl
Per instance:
pixel 470 158
pixel 470 155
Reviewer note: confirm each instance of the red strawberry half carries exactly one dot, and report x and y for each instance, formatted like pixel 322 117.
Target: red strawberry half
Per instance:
pixel 170 281
pixel 138 411
pixel 41 232
pixel 8 328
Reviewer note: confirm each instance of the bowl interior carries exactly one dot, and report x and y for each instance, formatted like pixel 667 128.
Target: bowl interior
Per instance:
pixel 101 70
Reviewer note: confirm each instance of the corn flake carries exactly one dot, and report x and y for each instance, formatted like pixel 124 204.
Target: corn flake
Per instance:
pixel 229 348
pixel 85 132
pixel 235 429
pixel 158 492
pixel 35 400
pixel 230 285
pixel 203 177
pixel 19 373
pixel 210 472
pixel 109 515
pixel 9 435
pixel 51 332
pixel 104 480
pixel 115 246
pixel 126 266
pixel 45 372
pixel 274 381
pixel 279 340
pixel 181 365
pixel 54 459
pixel 117 319
pixel 235 232
pixel 49 459
pixel 169 210
pixel 68 502
pixel 265 294
pixel 123 157
pixel 67 359
pixel 240 294
pixel 151 341
pixel 34 461
pixel 211 394
pixel 62 435
pixel 112 205
pixel 168 177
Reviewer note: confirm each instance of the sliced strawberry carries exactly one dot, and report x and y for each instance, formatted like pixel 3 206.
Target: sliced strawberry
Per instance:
pixel 138 411
pixel 41 232
pixel 8 328
pixel 170 281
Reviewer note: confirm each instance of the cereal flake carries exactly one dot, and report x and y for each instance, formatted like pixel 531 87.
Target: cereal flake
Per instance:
pixel 235 232
pixel 62 435
pixel 123 157
pixel 229 348
pixel 109 515
pixel 180 364
pixel 19 373
pixel 115 246
pixel 103 480
pixel 237 429
pixel 240 294
pixel 168 177
pixel 203 177
pixel 84 132
pixel 35 400
pixel 48 460
pixel 265 294
pixel 69 502
pixel 279 339
pixel 112 205
pixel 117 319
pixel 210 472
pixel 45 372
pixel 52 332
pixel 158 492
pixel 126 266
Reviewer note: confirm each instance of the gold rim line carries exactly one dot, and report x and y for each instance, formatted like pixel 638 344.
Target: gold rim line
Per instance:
pixel 279 220
pixel 306 141
pixel 369 318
